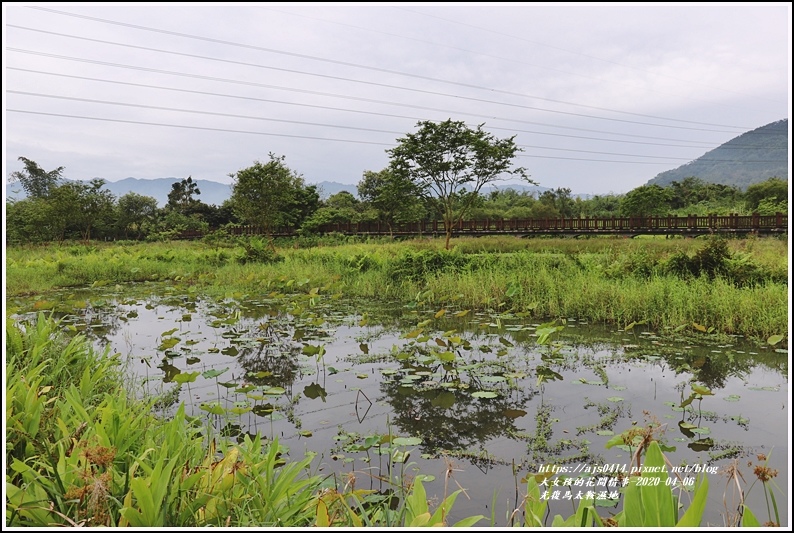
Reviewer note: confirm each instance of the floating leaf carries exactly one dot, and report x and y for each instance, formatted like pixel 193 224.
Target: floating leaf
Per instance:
pixel 186 377
pixel 700 389
pixel 514 413
pixel 605 432
pixel 440 313
pixel 213 408
pixel 407 441
pixel 169 343
pixel 413 334
pixel 263 410
pixel 732 398
pixel 305 433
pixel 363 376
pixel 364 347
pixel 774 339
pixel 461 314
pixel 169 332
pixel 484 394
pixel 209 374
pixel 230 351
pixel 315 391
pixel 615 399
pixel 275 391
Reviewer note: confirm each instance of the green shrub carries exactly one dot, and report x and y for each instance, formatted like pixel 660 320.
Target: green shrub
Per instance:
pixel 257 250
pixel 416 266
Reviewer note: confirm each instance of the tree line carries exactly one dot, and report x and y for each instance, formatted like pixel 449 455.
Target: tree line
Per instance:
pixel 436 173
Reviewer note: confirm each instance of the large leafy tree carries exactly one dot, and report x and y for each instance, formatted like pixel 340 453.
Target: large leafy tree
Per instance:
pixel 81 206
pixel 646 200
pixel 774 191
pixel 395 198
pixel 36 181
pixel 133 212
pixel 269 194
pixel 449 163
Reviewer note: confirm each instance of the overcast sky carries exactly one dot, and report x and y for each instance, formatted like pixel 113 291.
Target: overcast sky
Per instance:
pixel 601 97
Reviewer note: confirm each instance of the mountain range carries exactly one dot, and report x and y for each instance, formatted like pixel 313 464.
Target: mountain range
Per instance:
pixel 751 157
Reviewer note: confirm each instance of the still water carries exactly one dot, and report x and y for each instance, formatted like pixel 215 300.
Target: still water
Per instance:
pixel 474 394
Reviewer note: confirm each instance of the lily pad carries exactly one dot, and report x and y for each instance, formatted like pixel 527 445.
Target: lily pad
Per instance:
pixel 407 441
pixel 484 394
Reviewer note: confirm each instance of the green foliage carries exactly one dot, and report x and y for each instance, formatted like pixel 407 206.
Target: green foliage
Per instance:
pixel 448 163
pixel 271 195
pixel 79 453
pixel 645 200
pixel 135 214
pixel 773 191
pixel 180 198
pixel 257 250
pixel 715 259
pixel 416 266
pixel 394 198
pixel 36 181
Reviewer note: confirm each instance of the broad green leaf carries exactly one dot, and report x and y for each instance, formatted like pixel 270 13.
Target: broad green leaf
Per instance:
pixel 748 518
pixel 694 514
pixel 407 441
pixel 209 374
pixel 186 377
pixel 774 339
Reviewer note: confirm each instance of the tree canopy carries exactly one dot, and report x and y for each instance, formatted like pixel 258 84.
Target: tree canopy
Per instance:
pixel 36 181
pixel 449 163
pixel 269 194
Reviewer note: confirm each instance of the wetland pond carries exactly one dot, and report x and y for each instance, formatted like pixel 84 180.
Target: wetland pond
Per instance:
pixel 492 395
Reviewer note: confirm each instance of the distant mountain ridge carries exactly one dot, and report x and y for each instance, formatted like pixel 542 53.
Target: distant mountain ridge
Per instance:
pixel 752 157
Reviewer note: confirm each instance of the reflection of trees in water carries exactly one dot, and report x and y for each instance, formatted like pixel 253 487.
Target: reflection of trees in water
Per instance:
pixel 452 419
pixel 279 360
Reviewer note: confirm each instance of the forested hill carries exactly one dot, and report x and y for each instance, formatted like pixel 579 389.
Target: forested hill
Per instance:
pixel 750 158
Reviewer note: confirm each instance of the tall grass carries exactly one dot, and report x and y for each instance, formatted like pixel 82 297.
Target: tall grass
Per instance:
pixel 600 279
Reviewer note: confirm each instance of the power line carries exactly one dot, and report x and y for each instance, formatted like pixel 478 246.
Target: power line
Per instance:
pixel 226 130
pixel 171 73
pixel 345 63
pixel 253 98
pixel 197 112
pixel 248 117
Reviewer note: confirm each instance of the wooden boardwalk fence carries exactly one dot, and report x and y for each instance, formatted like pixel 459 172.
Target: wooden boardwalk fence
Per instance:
pixel 690 225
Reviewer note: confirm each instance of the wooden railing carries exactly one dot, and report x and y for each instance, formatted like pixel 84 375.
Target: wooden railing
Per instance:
pixel 651 225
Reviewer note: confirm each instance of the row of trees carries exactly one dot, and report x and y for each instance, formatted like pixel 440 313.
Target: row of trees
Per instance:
pixel 437 173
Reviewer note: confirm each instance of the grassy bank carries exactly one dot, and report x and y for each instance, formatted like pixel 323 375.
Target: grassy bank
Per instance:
pixel 735 286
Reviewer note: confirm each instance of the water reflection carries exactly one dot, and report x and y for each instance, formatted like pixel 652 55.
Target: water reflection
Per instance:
pixel 452 419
